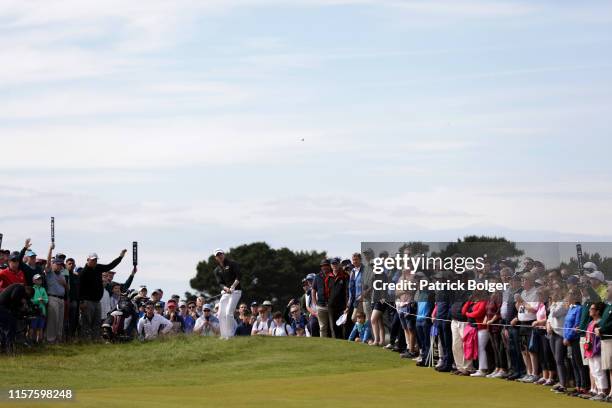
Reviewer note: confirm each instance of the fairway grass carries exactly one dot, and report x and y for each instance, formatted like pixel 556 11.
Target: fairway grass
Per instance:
pixel 255 372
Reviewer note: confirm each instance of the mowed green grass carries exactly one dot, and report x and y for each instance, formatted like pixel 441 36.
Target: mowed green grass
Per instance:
pixel 255 372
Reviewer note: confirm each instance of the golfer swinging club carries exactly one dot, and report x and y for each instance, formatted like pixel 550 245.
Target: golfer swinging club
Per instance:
pixel 227 274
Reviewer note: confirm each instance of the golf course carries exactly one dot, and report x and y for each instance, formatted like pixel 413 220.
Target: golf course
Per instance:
pixel 253 372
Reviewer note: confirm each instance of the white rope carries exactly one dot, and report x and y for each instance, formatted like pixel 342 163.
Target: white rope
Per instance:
pixel 492 324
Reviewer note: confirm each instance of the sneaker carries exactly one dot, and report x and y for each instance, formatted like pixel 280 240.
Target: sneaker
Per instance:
pixel 561 390
pixel 514 377
pixel 524 378
pixel 478 373
pixel 556 387
pixel 549 383
pixel 541 381
pixel 599 397
pixel 388 346
pixel 502 374
pixel 533 379
pixel 492 374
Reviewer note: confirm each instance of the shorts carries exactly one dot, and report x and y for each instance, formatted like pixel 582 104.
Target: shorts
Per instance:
pixel 525 334
pixel 407 321
pixel 606 354
pixel 38 323
pixel 380 306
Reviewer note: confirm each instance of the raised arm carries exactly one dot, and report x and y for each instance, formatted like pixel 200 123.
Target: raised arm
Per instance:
pixel 112 265
pixel 26 246
pixel 49 256
pixel 128 282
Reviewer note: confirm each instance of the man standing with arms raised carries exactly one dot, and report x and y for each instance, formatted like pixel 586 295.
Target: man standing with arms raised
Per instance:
pixel 227 274
pixel 90 292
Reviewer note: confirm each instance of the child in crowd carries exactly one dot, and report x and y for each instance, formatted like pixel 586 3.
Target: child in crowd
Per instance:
pixel 245 327
pixel 278 327
pixel 39 299
pixel 361 332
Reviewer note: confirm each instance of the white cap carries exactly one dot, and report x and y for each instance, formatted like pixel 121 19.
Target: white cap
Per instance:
pixel 217 251
pixel 37 276
pixel 93 255
pixel 597 275
pixel 589 265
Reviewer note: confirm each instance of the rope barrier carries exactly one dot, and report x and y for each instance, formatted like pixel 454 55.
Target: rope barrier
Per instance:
pixel 492 324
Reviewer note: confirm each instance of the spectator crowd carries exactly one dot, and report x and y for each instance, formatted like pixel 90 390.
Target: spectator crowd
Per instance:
pixel 549 327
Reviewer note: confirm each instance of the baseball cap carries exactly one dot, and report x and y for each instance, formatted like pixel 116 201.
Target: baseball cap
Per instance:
pixel 93 255
pixel 325 262
pixel 218 251
pixel 14 256
pixel 335 260
pixel 155 291
pixel 597 275
pixel 311 276
pixel 266 303
pixel 182 303
pixel 171 302
pixel 37 276
pixel 30 253
pixel 589 265
pixel 57 261
pixel 254 304
pixel 207 306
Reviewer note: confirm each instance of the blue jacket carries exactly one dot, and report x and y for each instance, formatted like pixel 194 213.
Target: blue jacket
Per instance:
pixel 572 321
pixel 355 285
pixel 363 330
pixel 425 305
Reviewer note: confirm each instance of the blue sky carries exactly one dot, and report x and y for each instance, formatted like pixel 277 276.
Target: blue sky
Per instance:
pixel 180 124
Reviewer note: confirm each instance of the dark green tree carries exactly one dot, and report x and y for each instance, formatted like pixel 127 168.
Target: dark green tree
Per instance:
pixel 416 248
pixel 267 273
pixel 475 246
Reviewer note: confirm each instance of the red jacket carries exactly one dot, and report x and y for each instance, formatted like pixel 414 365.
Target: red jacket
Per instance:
pixel 8 277
pixel 478 313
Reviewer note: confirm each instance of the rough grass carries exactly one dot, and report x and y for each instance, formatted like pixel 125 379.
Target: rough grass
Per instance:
pixel 255 371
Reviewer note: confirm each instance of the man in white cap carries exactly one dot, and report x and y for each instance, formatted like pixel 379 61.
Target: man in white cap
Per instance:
pixel 91 290
pixel 598 284
pixel 227 274
pixel 207 324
